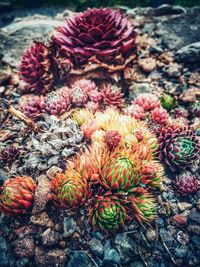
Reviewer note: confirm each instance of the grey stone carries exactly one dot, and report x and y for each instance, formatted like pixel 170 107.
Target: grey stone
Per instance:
pixel 166 10
pixel 167 237
pixel 181 251
pixel 136 264
pixel 189 53
pixel 96 246
pixel 127 247
pixel 80 259
pixel 6 258
pixel 22 262
pixel 111 256
pixel 69 226
pixel 24 247
pixel 196 241
pixel 50 237
pixel 195 215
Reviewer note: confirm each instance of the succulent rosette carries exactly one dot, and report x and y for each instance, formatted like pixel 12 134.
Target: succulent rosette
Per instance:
pixel 119 173
pixel 179 147
pixel 8 155
pixel 69 190
pixel 88 164
pixel 135 111
pixel 167 101
pixel 159 115
pixel 96 38
pixel 38 68
pixel 147 101
pixel 112 138
pixel 56 103
pixel 186 183
pixel 108 212
pixel 17 195
pixel 78 97
pixel 112 95
pixel 32 107
pixel 143 205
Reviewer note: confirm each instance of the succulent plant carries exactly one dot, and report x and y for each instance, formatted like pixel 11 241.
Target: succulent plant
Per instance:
pixel 32 107
pixel 96 38
pixel 147 101
pixel 179 147
pixel 135 111
pixel 195 109
pixel 186 183
pixel 112 138
pixel 17 195
pixel 167 102
pixel 56 103
pixel 69 190
pixel 8 155
pixel 143 205
pixel 82 115
pixel 85 85
pixel 95 96
pixel 88 164
pixel 159 115
pixel 112 95
pixel 38 68
pixel 92 106
pixel 59 140
pixel 108 212
pixel 78 97
pixel 88 128
pixel 180 112
pixel 119 173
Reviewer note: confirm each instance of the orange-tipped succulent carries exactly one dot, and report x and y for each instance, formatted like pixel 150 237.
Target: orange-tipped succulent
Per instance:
pixel 70 191
pixel 17 195
pixel 143 205
pixel 108 212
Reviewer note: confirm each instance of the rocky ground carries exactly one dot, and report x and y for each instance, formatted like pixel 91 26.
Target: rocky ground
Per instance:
pixel 168 61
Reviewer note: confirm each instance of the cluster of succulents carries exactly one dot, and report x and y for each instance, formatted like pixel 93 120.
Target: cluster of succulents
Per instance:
pixel 97 42
pixel 82 93
pixel 74 81
pixel 121 163
pixel 147 106
pixel 57 140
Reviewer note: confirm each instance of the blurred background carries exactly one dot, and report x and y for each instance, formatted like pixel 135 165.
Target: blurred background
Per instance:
pixel 82 4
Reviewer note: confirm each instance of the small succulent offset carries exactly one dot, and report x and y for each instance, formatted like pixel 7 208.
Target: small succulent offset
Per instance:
pixel 96 39
pixel 8 155
pixel 17 195
pixel 70 190
pixel 179 147
pixel 167 101
pixel 186 183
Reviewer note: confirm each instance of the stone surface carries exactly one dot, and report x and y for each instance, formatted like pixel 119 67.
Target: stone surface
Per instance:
pixel 147 64
pixel 51 257
pixel 50 237
pixel 42 219
pixel 69 226
pixel 79 259
pixel 189 53
pixel 195 215
pixel 42 194
pixel 6 258
pixel 96 247
pixel 111 256
pixel 24 248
